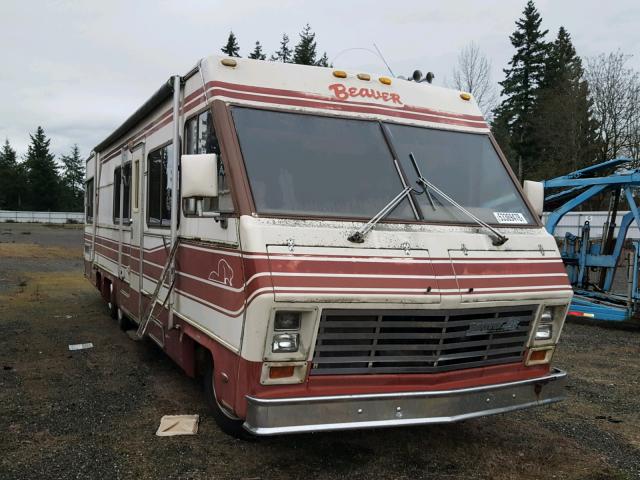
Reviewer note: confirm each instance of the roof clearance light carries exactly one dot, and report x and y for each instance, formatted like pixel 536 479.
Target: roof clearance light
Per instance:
pixel 364 76
pixel 228 62
pixel 340 73
pixel 465 96
pixel 385 80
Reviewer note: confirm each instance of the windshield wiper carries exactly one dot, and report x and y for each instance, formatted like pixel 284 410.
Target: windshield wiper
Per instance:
pixel 427 186
pixel 359 235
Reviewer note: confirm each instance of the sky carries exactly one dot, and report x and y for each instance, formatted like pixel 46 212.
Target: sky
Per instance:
pixel 78 68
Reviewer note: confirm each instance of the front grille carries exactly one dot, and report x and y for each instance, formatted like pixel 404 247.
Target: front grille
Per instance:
pixel 360 342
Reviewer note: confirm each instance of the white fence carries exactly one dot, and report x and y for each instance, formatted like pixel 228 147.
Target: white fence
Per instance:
pixel 571 222
pixel 574 221
pixel 41 217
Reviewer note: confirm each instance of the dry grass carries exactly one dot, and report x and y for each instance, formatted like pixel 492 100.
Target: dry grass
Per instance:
pixel 39 286
pixel 32 250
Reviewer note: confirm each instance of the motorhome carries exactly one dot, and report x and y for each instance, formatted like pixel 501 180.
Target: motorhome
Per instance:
pixel 326 249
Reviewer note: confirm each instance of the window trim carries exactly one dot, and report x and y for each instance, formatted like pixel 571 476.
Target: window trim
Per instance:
pixel 89 204
pixel 114 216
pixel 196 115
pixel 135 183
pixel 290 216
pixel 148 185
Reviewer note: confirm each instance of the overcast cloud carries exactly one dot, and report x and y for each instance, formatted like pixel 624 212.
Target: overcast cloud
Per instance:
pixel 79 68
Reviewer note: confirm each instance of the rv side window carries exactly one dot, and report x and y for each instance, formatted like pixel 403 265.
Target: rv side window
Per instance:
pixel 200 137
pixel 136 182
pixel 89 200
pixel 126 197
pixel 159 186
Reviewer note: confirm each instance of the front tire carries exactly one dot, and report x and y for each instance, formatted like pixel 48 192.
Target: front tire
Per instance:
pixel 228 423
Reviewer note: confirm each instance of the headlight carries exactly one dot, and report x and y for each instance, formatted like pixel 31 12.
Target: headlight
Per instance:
pixel 544 332
pixel 288 344
pixel 285 342
pixel 547 315
pixel 285 320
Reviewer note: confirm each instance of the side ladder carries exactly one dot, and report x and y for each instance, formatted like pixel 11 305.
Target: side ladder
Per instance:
pixel 149 311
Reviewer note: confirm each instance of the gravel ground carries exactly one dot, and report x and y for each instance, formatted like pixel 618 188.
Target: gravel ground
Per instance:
pixel 93 413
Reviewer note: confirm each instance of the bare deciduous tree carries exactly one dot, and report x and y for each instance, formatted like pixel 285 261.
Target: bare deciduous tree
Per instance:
pixel 615 91
pixel 472 73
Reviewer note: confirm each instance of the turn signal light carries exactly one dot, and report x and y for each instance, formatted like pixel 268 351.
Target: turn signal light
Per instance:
pixel 281 372
pixel 538 355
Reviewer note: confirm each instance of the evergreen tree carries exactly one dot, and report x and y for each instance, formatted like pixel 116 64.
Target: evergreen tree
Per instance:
pixel 564 130
pixel 305 51
pixel 257 53
pixel 520 87
pixel 12 184
pixel 323 61
pixel 284 54
pixel 73 181
pixel 42 174
pixel 232 48
pixel 562 63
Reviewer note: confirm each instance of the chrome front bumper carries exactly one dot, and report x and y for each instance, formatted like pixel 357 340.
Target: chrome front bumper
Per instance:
pixel 341 412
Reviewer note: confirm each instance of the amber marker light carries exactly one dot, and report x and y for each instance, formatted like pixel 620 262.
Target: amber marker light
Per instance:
pixel 364 76
pixel 465 96
pixel 281 372
pixel 228 62
pixel 340 74
pixel 385 80
pixel 538 355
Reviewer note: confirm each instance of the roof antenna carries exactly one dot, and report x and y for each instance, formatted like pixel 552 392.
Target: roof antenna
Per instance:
pixel 385 62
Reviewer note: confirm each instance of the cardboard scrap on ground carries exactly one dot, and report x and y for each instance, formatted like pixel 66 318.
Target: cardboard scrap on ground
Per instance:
pixel 178 425
pixel 80 346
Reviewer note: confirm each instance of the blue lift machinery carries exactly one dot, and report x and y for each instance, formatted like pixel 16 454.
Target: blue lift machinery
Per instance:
pixel 592 263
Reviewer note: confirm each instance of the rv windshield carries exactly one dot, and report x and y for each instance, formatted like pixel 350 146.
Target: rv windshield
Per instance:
pixel 301 164
pixel 467 168
pixel 317 166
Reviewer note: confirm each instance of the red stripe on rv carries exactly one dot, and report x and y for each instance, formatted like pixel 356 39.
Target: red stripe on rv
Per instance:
pixel 347 107
pixel 314 96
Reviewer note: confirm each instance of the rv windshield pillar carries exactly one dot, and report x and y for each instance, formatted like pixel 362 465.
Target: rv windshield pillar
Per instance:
pixel 174 185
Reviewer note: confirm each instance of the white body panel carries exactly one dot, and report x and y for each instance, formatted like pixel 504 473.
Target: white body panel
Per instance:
pixel 243 327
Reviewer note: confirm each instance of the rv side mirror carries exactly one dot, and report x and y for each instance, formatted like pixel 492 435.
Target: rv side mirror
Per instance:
pixel 199 175
pixel 535 194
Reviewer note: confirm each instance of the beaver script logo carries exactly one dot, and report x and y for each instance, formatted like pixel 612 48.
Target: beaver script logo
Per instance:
pixel 344 93
pixel 224 273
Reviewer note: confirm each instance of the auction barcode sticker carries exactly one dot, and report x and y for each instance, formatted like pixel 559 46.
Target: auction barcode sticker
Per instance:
pixel 510 217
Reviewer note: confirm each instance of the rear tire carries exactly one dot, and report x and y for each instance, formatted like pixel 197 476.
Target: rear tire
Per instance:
pixel 228 423
pixel 113 308
pixel 123 321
